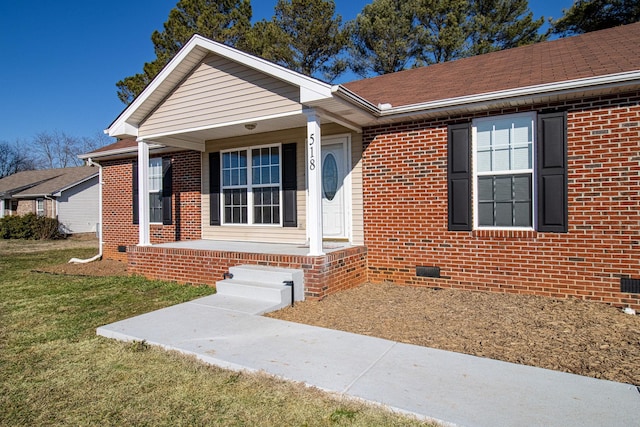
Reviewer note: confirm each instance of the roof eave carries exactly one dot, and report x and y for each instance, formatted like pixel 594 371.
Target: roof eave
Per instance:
pixel 451 105
pixel 97 156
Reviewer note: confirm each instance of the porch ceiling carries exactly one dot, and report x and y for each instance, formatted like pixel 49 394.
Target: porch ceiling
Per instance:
pixel 196 138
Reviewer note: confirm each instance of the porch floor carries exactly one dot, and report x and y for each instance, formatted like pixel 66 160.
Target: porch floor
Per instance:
pixel 253 247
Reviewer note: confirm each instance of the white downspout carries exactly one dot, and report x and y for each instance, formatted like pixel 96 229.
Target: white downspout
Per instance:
pixel 99 256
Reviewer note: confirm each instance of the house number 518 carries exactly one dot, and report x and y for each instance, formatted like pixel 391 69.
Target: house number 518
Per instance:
pixel 312 159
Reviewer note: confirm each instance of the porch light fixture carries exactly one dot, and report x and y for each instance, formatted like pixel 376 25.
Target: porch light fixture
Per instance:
pixel 250 126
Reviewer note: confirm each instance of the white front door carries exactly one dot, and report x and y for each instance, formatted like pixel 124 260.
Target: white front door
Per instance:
pixel 334 193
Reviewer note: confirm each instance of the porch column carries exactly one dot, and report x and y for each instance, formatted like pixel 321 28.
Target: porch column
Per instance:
pixel 143 194
pixel 314 178
pixel 1 208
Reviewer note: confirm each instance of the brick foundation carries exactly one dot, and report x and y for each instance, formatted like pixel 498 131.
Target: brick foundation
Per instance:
pixel 323 275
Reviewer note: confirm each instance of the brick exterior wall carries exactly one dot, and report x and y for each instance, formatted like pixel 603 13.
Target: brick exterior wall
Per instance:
pixel 117 214
pixel 25 207
pixel 323 275
pixel 405 217
pixel 405 211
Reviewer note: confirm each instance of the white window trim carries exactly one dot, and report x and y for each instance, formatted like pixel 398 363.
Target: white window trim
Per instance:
pixel 250 187
pixel 474 161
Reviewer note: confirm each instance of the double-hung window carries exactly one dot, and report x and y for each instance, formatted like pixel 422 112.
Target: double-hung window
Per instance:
pixel 508 172
pixel 251 185
pixel 503 148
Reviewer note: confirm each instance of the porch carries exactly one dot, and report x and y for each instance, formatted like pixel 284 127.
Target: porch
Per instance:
pixel 340 267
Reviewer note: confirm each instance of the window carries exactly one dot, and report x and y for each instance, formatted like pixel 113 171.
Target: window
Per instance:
pixel 251 194
pixel 40 207
pixel 160 191
pixel 155 190
pixel 504 171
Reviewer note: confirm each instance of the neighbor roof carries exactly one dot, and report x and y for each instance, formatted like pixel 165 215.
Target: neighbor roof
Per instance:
pixel 600 53
pixel 44 182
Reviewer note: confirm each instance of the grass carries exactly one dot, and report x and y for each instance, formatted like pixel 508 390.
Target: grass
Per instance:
pixel 56 371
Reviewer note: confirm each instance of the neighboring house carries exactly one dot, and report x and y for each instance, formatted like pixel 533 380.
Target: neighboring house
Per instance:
pixel 69 194
pixel 515 171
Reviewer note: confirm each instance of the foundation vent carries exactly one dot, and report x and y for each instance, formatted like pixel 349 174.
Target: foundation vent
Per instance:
pixel 630 285
pixel 122 248
pixel 422 271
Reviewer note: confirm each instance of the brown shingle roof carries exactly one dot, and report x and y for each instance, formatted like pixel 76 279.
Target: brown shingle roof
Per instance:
pixel 118 145
pixel 599 53
pixel 44 182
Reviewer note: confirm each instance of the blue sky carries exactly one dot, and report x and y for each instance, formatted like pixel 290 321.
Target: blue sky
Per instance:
pixel 61 59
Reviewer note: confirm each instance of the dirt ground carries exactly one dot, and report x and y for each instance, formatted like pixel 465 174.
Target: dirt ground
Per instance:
pixel 568 335
pixel 81 241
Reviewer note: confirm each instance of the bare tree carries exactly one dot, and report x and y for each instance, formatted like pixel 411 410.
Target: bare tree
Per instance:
pixel 60 150
pixel 13 159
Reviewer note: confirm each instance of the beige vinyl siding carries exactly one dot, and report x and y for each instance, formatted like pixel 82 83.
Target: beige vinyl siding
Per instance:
pixel 279 234
pixel 220 91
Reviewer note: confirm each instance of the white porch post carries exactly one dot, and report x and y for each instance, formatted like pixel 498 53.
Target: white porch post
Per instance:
pixel 143 193
pixel 314 177
pixel 1 208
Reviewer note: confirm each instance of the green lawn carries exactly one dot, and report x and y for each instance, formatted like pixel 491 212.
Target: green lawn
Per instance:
pixel 54 370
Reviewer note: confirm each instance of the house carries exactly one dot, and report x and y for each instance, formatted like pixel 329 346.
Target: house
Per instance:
pixel 68 194
pixel 515 171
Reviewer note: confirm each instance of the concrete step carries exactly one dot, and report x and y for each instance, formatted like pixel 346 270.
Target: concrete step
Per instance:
pixel 277 293
pixel 238 304
pixel 270 275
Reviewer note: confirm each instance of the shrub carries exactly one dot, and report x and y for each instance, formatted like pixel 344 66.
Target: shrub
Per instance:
pixel 30 226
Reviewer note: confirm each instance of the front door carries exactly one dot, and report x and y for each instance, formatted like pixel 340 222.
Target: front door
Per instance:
pixel 334 170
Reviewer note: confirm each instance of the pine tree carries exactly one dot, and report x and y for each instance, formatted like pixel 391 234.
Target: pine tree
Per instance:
pixel 592 15
pixel 502 24
pixel 384 37
pixel 390 35
pixel 305 36
pixel 225 21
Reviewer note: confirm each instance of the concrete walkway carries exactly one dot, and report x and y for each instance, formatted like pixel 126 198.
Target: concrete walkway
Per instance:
pixel 432 384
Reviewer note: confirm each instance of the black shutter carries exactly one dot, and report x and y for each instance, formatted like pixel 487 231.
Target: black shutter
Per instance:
pixel 551 173
pixel 134 191
pixel 459 177
pixel 289 185
pixel 214 189
pixel 167 191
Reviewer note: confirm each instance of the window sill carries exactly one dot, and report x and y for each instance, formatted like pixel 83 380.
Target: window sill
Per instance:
pixel 505 233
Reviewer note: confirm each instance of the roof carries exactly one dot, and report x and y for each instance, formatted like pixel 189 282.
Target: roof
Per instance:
pixel 592 64
pixel 191 54
pixel 607 52
pixel 44 182
pixel 122 144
